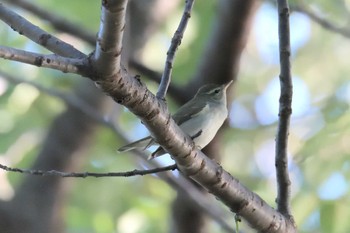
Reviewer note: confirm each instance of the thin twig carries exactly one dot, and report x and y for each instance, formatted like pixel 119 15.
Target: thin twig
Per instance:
pixel 285 110
pixel 135 172
pixel 58 22
pixel 36 34
pixel 175 42
pixel 53 61
pixel 344 31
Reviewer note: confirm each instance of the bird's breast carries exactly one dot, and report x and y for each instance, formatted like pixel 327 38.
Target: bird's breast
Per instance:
pixel 209 121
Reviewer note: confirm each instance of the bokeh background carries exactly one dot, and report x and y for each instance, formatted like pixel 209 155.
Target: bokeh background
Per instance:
pixel 319 141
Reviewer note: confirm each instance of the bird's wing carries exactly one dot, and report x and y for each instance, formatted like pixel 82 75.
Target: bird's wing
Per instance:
pixel 188 110
pixel 143 144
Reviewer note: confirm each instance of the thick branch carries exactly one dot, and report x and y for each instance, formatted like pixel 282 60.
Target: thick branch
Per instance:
pixel 56 21
pixel 175 42
pixel 131 93
pixel 179 183
pixel 107 56
pixel 285 110
pixel 36 34
pixel 66 65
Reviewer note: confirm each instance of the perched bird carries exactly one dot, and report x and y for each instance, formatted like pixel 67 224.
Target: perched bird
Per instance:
pixel 200 118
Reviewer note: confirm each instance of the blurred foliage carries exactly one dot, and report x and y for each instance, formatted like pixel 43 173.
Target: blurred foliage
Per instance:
pixel 319 137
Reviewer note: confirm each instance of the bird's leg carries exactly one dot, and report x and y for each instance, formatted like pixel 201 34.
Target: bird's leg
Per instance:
pixel 199 133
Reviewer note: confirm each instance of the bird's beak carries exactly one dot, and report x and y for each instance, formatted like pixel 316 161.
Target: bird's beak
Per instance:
pixel 226 85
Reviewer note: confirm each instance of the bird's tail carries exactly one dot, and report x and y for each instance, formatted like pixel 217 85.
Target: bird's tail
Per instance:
pixel 143 144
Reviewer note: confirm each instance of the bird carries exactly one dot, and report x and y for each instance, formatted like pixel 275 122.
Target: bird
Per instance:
pixel 200 118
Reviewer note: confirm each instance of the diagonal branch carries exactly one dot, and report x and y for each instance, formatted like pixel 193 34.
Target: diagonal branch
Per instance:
pixel 129 91
pixel 36 34
pixel 107 56
pixel 66 65
pixel 58 22
pixel 285 110
pixel 193 163
pixel 178 183
pixel 175 42
pixel 344 31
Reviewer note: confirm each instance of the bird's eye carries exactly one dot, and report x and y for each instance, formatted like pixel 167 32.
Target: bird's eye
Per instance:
pixel 217 91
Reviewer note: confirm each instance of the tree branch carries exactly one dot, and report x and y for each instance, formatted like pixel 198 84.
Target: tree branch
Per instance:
pixel 36 34
pixel 58 22
pixel 344 31
pixel 129 91
pixel 89 174
pixel 199 200
pixel 107 56
pixel 174 90
pixel 285 110
pixel 192 162
pixel 219 63
pixel 175 42
pixel 66 65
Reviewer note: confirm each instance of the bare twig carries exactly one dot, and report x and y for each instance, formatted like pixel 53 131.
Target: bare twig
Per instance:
pixel 64 64
pixel 344 31
pixel 89 174
pixel 56 21
pixel 175 42
pixel 285 110
pixel 36 34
